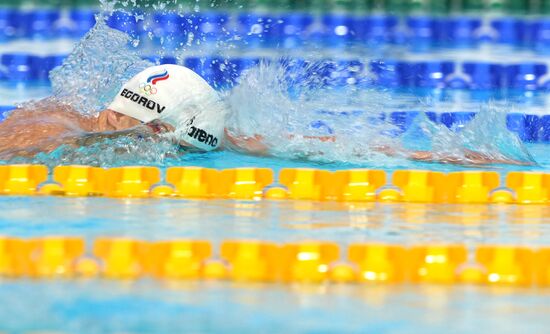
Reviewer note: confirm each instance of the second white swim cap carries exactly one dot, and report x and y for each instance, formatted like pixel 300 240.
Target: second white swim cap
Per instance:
pixel 178 96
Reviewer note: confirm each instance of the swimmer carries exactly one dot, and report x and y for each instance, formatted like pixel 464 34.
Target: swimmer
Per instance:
pixel 170 102
pixel 166 101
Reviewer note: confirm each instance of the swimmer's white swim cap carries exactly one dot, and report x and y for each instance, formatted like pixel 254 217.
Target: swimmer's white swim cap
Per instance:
pixel 178 96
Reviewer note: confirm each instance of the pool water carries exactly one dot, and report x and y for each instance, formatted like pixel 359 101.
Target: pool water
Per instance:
pixel 277 221
pixel 145 306
pixel 226 159
pixel 503 79
pixel 204 307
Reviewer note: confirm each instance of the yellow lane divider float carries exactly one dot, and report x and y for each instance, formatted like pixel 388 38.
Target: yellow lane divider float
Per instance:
pixel 356 185
pixel 313 262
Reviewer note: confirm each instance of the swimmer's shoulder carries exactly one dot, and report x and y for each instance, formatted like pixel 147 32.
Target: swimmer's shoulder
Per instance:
pixel 51 112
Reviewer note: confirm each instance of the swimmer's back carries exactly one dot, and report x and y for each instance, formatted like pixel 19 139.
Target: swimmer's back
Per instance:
pixel 40 128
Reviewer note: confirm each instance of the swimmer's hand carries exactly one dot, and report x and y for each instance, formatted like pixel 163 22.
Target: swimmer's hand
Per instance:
pixel 253 145
pixel 469 158
pixel 387 150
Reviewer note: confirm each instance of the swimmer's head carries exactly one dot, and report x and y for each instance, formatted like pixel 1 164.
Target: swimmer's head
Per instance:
pixel 179 97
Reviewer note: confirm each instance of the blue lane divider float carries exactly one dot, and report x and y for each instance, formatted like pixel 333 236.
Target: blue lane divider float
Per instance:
pixel 38 24
pixel 290 30
pixel 43 24
pixel 422 32
pixel 125 22
pixel 530 128
pixel 20 67
pixel 458 32
pixel 509 31
pixel 210 68
pixel 483 75
pixel 543 129
pixel 82 22
pixel 526 76
pixel 8 24
pixel 456 120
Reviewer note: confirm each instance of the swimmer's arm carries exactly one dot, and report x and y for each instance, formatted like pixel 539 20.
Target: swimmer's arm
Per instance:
pixel 470 157
pixel 255 145
pixel 141 131
pixel 246 144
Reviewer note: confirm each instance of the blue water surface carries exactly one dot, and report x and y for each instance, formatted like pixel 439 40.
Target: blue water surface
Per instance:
pixel 210 307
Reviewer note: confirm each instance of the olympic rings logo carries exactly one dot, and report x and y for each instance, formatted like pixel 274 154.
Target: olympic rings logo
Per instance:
pixel 147 89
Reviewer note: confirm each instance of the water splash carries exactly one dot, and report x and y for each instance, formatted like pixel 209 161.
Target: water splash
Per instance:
pixel 486 133
pixel 297 112
pixel 114 152
pixel 95 70
pixel 292 104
